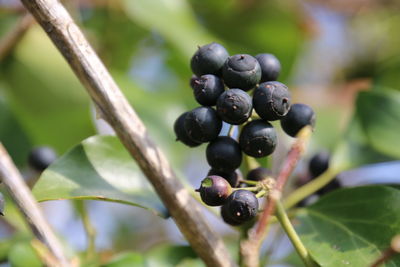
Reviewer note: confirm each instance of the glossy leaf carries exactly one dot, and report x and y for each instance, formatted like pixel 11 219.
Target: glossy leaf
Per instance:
pixel 101 169
pixel 354 149
pixel 379 115
pixel 351 227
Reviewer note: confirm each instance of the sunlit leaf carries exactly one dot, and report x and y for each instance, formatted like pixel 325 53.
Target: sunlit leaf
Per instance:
pixel 101 169
pixel 379 114
pixel 351 227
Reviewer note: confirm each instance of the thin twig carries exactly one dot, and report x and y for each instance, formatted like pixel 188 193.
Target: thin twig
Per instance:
pixel 115 109
pixel 23 198
pixel 11 39
pixel 89 229
pixel 288 166
pixel 294 238
pixel 250 247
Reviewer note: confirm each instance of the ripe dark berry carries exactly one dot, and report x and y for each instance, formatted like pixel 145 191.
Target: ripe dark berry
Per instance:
pixel 258 174
pixel 271 100
pixel 270 67
pixel 241 206
pixel 319 163
pixel 224 154
pixel 207 89
pixel 241 71
pixel 258 139
pixel 209 59
pixel 234 106
pixel 180 132
pixel 214 190
pixel 202 124
pixel 231 177
pixel 41 157
pixel 298 116
pixel 225 215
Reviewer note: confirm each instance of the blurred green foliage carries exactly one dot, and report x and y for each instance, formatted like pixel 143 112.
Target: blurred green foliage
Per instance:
pixel 147 45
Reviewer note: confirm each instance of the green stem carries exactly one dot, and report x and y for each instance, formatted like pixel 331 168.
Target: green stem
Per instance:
pixel 250 182
pixel 294 238
pixel 231 130
pixel 310 188
pixel 89 229
pixel 261 193
pixel 253 188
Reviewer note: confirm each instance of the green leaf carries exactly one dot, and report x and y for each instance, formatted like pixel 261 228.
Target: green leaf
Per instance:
pixel 126 260
pixel 173 19
pixel 101 169
pixel 379 114
pixel 44 95
pixel 22 254
pixel 171 256
pixel 12 136
pixel 354 149
pixel 351 227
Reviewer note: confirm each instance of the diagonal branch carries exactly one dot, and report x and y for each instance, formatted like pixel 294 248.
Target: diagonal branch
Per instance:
pixel 22 196
pixel 115 109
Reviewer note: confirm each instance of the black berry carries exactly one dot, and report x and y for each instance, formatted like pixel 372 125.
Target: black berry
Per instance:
pixel 207 89
pixel 258 174
pixel 258 139
pixel 232 177
pixel 234 106
pixel 41 157
pixel 271 100
pixel 319 163
pixel 209 59
pixel 270 67
pixel 298 116
pixel 241 71
pixel 202 124
pixel 241 206
pixel 225 215
pixel 214 190
pixel 180 132
pixel 224 154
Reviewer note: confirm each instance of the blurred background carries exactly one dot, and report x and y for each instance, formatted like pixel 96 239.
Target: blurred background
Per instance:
pixel 329 51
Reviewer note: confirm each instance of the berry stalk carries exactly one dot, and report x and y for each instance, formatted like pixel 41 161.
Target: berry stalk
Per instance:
pixel 310 188
pixel 294 238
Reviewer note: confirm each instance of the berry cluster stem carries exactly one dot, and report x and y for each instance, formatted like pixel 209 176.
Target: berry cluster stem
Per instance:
pixel 288 166
pixel 294 238
pixel 250 247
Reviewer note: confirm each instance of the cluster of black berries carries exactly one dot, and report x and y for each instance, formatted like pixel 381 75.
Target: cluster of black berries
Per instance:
pixel 221 84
